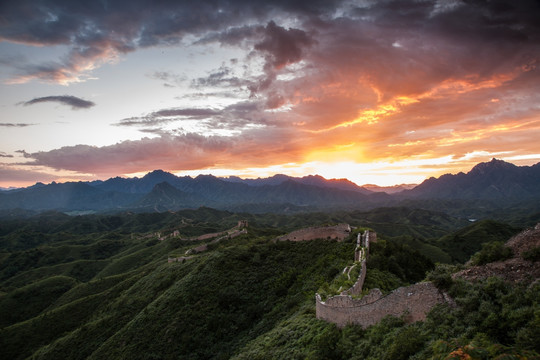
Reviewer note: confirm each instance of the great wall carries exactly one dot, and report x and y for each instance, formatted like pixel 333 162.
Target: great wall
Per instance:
pixel 239 229
pixel 412 302
pixel 338 232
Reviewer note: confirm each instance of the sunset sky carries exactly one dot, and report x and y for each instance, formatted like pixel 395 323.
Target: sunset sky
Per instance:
pixel 383 92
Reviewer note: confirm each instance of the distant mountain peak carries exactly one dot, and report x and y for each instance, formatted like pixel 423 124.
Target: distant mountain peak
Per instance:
pixel 497 181
pixel 493 165
pixel 158 172
pixel 206 177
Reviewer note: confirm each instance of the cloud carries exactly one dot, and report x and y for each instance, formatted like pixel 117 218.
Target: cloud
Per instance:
pixel 10 175
pixel 364 80
pixel 20 176
pixel 4 155
pixel 100 32
pixel 221 77
pixel 181 152
pixel 16 124
pixel 165 116
pixel 73 101
pixel 169 79
pixel 236 116
pixel 283 46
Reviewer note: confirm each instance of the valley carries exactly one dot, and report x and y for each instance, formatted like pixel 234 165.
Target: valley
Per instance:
pixel 91 286
pixel 162 281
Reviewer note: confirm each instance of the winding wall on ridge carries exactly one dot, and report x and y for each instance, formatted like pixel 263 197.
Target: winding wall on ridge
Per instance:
pixel 413 301
pixel 338 232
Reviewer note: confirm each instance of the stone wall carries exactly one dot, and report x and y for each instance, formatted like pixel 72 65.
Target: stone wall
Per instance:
pixel 413 301
pixel 338 232
pixel 356 289
pixel 234 232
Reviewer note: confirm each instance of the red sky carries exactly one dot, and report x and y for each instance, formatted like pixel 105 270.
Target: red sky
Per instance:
pixel 376 91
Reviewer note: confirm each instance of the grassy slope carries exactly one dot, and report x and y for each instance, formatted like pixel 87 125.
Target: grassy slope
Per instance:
pixel 243 287
pixel 462 244
pixel 245 297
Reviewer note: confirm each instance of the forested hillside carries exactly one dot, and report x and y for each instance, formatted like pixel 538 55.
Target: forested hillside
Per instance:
pixel 95 287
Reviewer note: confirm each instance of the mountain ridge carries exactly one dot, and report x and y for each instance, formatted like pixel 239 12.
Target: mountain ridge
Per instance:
pixel 496 180
pixel 496 183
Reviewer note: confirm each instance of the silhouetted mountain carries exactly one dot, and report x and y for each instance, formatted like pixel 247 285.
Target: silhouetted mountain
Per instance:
pixel 489 186
pixel 496 181
pixel 165 197
pixel 273 180
pixel 316 180
pixel 11 188
pixel 304 195
pixel 140 185
pixel 178 193
pixel 66 196
pixel 342 184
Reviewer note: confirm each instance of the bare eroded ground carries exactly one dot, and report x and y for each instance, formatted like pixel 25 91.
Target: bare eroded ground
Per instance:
pixel 515 269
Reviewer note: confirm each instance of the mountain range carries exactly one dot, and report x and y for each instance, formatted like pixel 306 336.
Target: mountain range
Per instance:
pixel 497 183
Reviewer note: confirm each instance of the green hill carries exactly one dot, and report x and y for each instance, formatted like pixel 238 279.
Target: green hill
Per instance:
pixel 100 287
pixel 462 244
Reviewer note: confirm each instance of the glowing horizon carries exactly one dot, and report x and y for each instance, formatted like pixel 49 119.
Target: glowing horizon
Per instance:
pixel 380 174
pixel 376 92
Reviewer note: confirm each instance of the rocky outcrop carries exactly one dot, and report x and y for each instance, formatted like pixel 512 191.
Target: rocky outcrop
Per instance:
pixel 515 269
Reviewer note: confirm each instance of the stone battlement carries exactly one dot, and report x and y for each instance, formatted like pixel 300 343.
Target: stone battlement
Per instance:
pixel 413 301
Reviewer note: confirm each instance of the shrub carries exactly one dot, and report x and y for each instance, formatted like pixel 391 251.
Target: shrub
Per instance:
pixel 441 276
pixel 532 255
pixel 490 252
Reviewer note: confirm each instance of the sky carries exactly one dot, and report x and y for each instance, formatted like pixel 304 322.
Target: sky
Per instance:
pixel 384 92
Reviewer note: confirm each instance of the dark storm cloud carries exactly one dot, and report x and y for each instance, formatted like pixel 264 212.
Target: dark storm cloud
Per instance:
pixel 96 32
pixel 470 19
pixel 236 36
pixel 283 46
pixel 402 76
pixel 73 101
pixel 280 47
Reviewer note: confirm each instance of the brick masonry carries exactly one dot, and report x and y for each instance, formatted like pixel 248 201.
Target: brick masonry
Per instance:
pixel 413 302
pixel 338 232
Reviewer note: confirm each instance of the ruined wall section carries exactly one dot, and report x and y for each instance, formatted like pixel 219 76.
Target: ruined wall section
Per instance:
pixel 338 232
pixel 356 289
pixel 413 301
pixel 360 255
